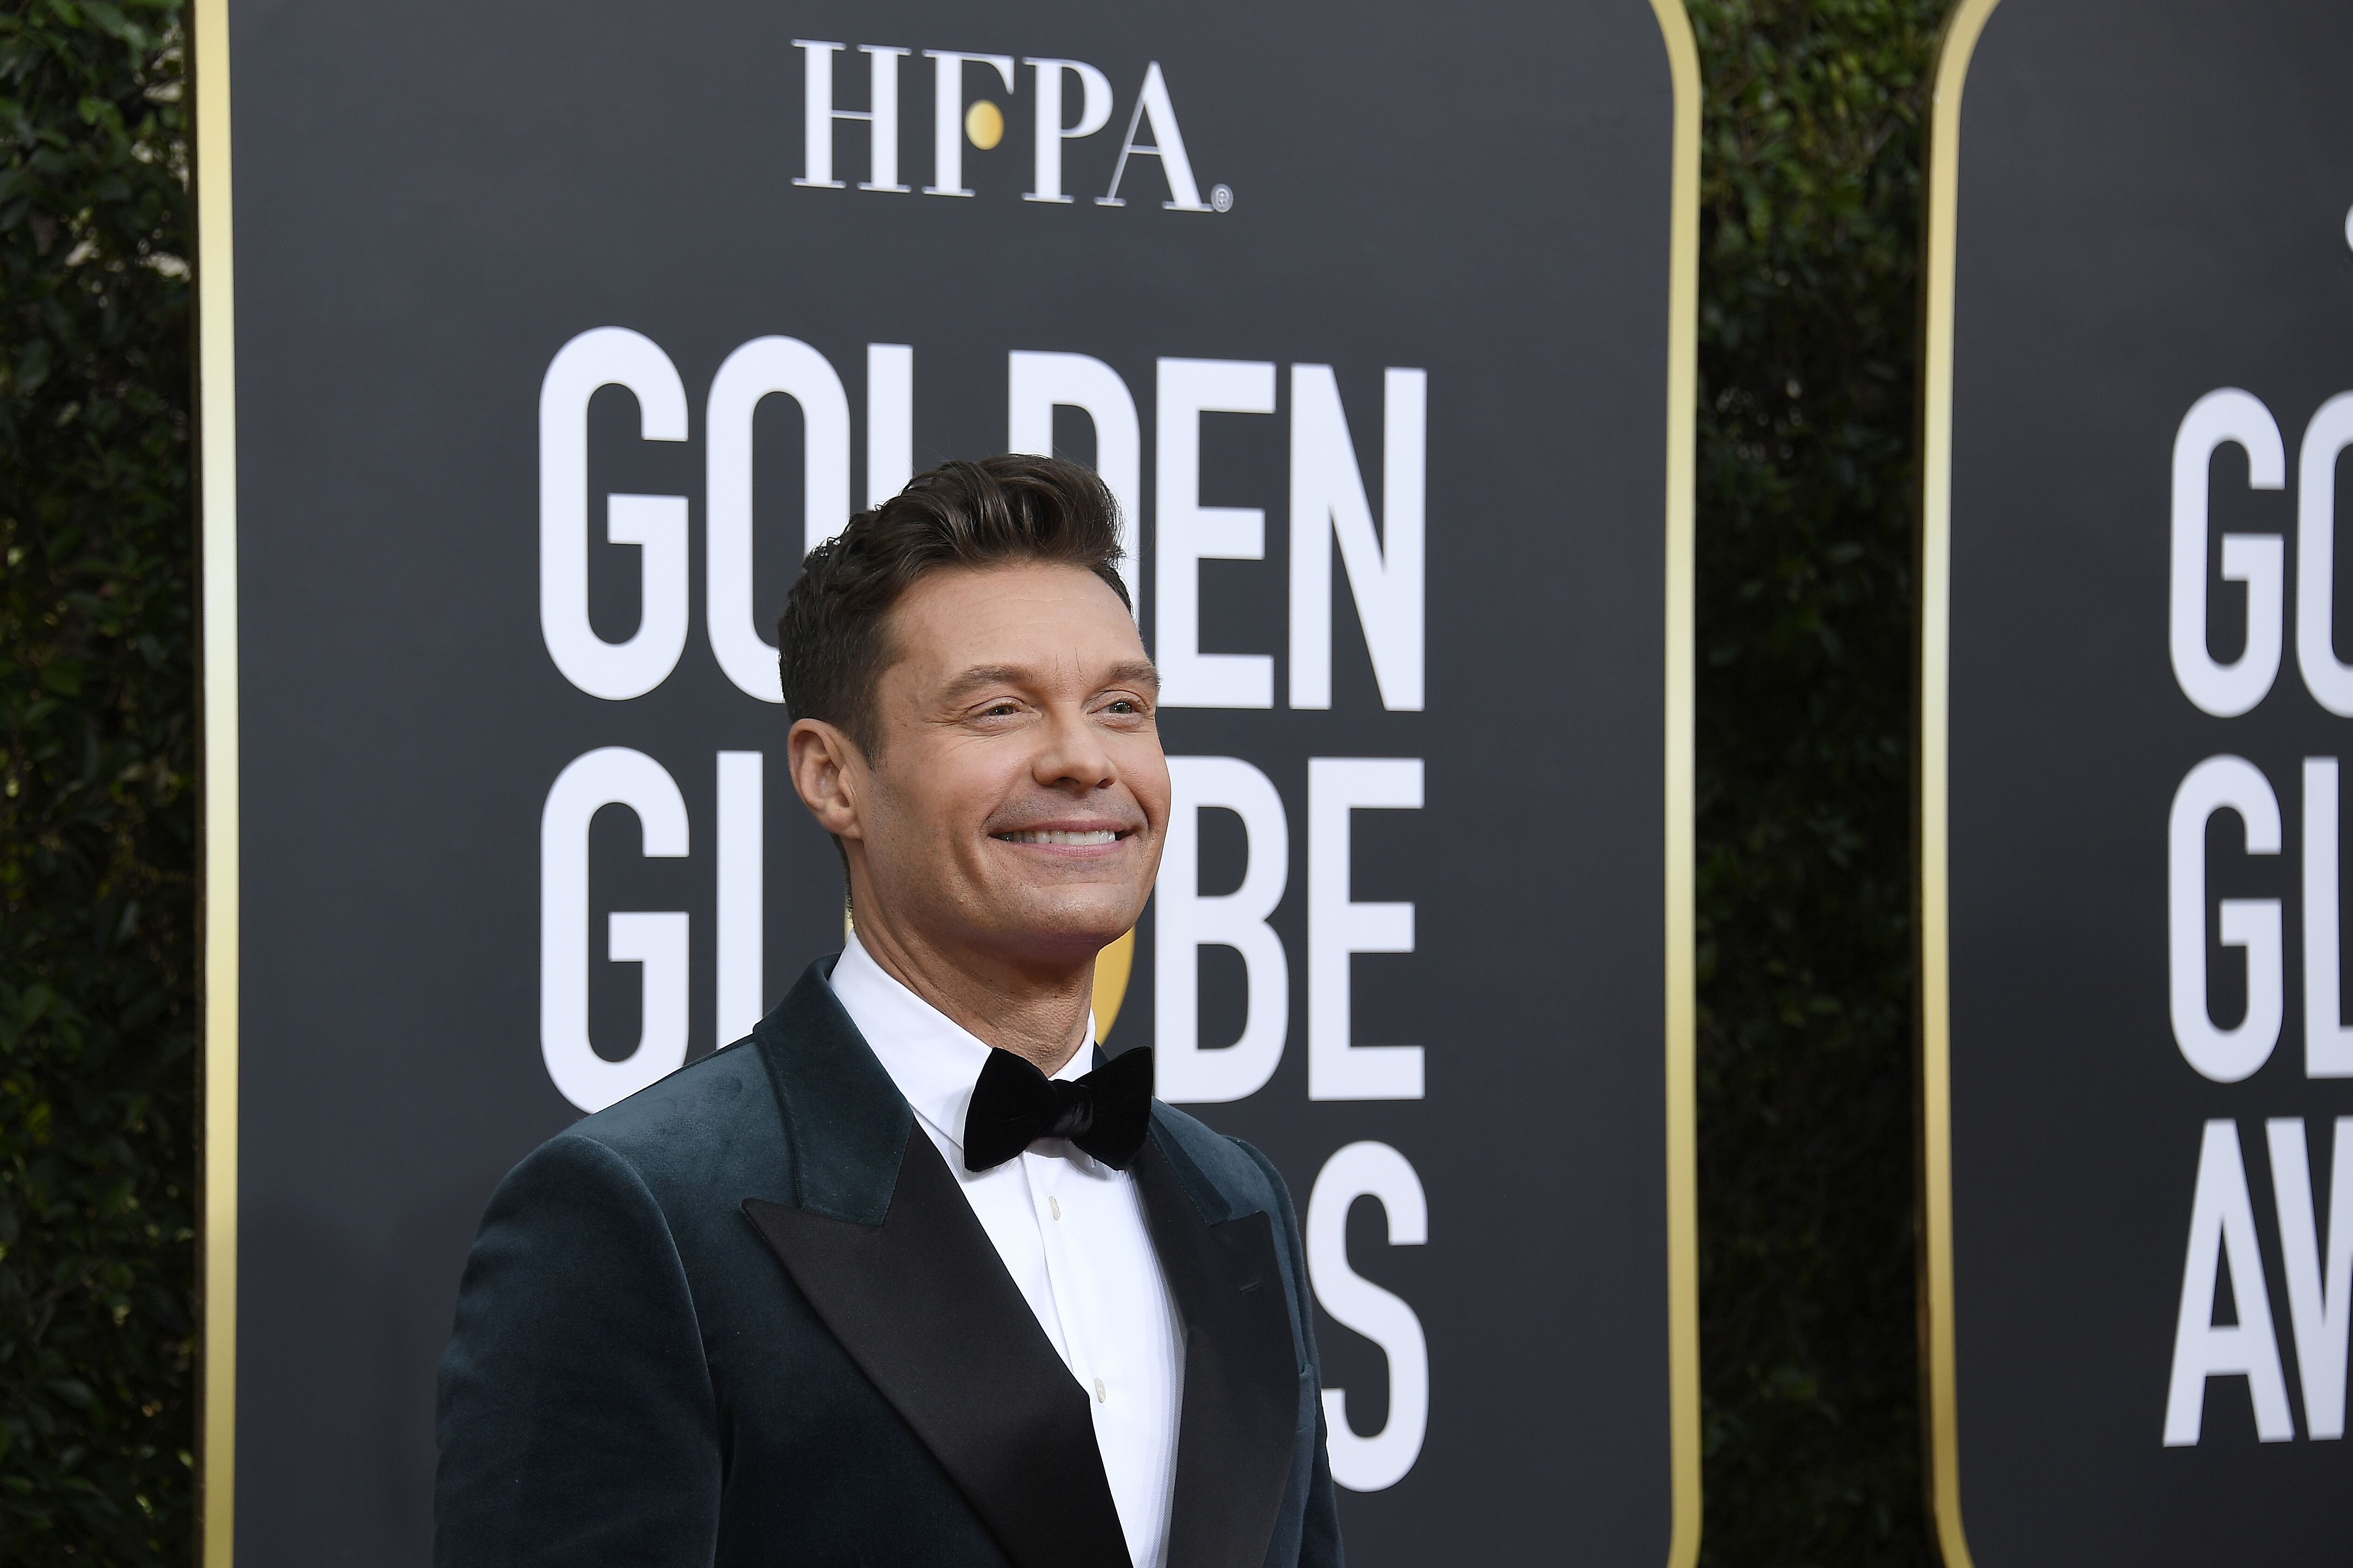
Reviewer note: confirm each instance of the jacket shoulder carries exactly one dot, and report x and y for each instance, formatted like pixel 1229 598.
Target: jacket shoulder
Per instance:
pixel 712 1120
pixel 1225 1176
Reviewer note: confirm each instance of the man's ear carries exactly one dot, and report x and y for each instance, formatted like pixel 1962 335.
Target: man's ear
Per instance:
pixel 828 769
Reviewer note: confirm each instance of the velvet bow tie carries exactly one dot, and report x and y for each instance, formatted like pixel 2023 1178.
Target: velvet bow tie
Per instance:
pixel 1014 1105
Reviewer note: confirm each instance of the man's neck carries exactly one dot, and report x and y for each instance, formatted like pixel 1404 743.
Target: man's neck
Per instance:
pixel 1040 1016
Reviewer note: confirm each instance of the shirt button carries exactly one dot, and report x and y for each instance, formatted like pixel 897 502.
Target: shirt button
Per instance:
pixel 1056 1204
pixel 1102 1396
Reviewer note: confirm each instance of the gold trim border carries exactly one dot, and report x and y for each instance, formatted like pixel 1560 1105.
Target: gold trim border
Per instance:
pixel 1682 868
pixel 216 451
pixel 215 282
pixel 1953 56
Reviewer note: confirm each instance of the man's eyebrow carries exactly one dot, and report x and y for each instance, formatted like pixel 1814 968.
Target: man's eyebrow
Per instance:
pixel 1136 672
pixel 981 675
pixel 1131 672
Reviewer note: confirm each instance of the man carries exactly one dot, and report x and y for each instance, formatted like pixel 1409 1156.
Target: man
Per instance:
pixel 906 1276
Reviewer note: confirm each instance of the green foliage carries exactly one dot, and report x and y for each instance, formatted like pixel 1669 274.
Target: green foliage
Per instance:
pixel 1806 484
pixel 97 757
pixel 1810 195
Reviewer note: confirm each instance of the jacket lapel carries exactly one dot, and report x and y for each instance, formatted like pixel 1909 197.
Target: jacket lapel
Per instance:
pixel 1239 1421
pixel 888 1253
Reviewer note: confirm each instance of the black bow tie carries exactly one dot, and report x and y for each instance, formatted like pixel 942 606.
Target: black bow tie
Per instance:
pixel 1014 1105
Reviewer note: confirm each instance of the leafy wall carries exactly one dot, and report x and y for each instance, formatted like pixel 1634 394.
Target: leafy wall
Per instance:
pixel 98 737
pixel 1809 246
pixel 1806 592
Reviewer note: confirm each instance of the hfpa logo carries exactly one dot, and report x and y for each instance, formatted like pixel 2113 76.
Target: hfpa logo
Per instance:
pixel 983 124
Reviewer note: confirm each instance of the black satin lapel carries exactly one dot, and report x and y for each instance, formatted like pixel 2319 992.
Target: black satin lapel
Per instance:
pixel 924 1305
pixel 844 1120
pixel 1240 1413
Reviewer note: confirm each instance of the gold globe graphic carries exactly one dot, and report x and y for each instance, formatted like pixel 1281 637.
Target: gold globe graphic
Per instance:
pixel 1114 965
pixel 984 122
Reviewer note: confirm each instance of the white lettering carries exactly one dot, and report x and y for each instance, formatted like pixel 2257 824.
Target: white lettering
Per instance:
pixel 1327 498
pixel 611 775
pixel 756 370
pixel 743 903
pixel 947 115
pixel 1378 1171
pixel 2226 1056
pixel 1094 112
pixel 1190 533
pixel 1038 384
pixel 889 424
pixel 2327 1043
pixel 1168 145
pixel 2319 1303
pixel 2218 420
pixel 2222 1229
pixel 1338 928
pixel 609 356
pixel 1184 921
pixel 2328 679
pixel 882 115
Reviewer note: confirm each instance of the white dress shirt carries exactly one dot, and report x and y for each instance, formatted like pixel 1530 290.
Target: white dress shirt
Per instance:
pixel 1071 1232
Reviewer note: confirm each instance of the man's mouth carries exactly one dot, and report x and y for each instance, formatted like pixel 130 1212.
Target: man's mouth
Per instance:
pixel 1057 836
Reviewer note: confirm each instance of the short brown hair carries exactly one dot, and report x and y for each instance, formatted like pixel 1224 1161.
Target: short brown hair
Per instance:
pixel 832 640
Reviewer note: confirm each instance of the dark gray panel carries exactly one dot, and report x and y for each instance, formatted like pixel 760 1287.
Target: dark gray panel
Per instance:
pixel 2153 205
pixel 433 198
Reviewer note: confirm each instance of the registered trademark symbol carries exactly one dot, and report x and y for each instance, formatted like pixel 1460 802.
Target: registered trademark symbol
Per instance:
pixel 1222 198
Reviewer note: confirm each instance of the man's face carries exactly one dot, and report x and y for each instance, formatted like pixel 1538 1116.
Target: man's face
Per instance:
pixel 1017 796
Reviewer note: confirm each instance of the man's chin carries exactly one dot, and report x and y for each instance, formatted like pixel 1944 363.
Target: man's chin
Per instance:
pixel 1057 931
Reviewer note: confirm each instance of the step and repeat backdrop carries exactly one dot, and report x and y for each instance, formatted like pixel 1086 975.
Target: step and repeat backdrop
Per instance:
pixel 559 332
pixel 2137 688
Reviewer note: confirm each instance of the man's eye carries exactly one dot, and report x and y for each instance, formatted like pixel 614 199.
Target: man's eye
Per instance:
pixel 997 709
pixel 1124 705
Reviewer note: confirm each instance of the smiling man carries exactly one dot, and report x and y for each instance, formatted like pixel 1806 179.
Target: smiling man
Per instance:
pixel 910 1275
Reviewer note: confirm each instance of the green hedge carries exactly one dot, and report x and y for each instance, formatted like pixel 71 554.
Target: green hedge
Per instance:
pixel 1806 497
pixel 1810 193
pixel 97 761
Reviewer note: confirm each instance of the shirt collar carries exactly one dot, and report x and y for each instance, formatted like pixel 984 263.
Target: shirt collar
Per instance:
pixel 933 1059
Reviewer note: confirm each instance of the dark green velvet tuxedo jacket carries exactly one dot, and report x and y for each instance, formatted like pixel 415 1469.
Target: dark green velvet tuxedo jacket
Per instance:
pixel 745 1317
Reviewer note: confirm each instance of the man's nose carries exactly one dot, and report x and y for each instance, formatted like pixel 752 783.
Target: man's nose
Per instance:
pixel 1073 756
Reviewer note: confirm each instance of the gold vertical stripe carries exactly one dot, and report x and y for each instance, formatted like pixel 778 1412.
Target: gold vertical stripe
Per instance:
pixel 217 466
pixel 1682 1002
pixel 1960 42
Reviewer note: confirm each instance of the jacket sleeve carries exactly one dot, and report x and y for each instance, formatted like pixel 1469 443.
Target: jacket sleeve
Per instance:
pixel 1319 1521
pixel 1319 1532
pixel 575 1418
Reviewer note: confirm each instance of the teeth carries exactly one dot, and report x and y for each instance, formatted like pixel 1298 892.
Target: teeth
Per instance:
pixel 1097 836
